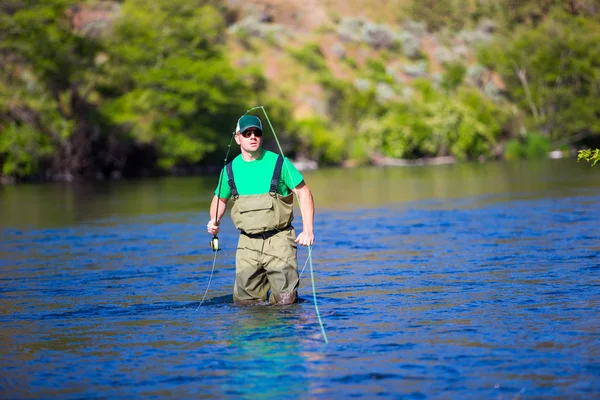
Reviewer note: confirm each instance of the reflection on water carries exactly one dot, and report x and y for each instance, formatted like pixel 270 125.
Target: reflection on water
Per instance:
pixel 464 281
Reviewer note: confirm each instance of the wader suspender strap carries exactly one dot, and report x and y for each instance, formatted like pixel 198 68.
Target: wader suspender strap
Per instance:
pixel 234 191
pixel 274 180
pixel 276 174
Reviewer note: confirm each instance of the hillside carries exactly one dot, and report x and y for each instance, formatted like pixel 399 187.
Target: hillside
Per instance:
pixel 368 44
pixel 96 89
pixel 348 36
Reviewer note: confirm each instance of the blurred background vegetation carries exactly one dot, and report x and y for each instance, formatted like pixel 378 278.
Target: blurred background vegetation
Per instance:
pixel 109 89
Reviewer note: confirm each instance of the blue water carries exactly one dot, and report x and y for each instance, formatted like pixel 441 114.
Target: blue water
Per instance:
pixel 477 297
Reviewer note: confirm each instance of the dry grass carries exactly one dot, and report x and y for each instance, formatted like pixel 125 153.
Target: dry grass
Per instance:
pixel 380 11
pixel 315 21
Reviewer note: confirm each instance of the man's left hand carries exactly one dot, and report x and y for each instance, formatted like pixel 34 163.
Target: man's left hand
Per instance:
pixel 305 239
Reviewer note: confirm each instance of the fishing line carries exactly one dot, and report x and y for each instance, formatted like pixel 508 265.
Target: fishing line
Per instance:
pixel 209 279
pixel 312 278
pixel 214 243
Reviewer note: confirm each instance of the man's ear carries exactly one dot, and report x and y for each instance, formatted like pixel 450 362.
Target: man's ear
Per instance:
pixel 237 138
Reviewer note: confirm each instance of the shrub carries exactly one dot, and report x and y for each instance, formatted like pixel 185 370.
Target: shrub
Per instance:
pixel 310 55
pixel 532 145
pixel 536 146
pixel 318 142
pixel 514 150
pixel 592 156
pixel 552 72
pixel 454 75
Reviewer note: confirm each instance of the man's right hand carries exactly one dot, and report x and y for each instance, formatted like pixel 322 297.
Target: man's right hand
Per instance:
pixel 212 227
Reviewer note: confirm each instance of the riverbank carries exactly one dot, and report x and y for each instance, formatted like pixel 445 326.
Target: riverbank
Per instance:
pixel 303 164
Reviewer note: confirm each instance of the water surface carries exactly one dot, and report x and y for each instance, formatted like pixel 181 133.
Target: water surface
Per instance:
pixel 457 281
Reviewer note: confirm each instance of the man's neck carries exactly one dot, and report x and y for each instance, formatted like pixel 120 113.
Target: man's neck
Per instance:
pixel 251 155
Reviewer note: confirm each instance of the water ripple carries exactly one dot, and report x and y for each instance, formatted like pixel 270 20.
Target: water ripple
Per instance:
pixel 452 300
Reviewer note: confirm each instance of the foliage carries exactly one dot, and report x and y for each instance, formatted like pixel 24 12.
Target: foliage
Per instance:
pixel 553 72
pixel 464 124
pixel 532 12
pixel 514 150
pixel 536 146
pixel 282 122
pixel 23 147
pixel 532 145
pixel 438 14
pixel 589 155
pixel 174 87
pixel 375 71
pixel 455 75
pixel 157 83
pixel 456 15
pixel 319 142
pixel 44 70
pixel 155 89
pixel 310 55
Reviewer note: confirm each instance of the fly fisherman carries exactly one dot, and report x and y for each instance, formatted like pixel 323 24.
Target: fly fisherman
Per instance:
pixel 262 185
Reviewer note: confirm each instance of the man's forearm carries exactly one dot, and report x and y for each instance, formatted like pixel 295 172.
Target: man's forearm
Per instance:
pixel 215 213
pixel 307 208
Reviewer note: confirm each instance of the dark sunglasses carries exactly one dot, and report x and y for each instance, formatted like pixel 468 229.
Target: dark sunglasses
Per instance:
pixel 249 133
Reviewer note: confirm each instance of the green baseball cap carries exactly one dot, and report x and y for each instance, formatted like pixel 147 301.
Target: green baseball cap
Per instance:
pixel 248 121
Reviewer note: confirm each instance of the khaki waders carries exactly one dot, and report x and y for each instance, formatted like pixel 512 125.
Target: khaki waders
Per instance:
pixel 266 254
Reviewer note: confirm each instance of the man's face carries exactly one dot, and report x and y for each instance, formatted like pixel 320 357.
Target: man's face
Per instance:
pixel 250 140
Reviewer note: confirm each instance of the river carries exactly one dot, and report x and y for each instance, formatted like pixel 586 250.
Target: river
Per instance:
pixel 450 281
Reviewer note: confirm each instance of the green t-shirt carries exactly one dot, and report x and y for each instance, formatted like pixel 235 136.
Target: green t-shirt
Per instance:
pixel 254 177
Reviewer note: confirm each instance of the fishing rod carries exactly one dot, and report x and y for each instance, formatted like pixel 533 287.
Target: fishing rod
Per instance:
pixel 214 243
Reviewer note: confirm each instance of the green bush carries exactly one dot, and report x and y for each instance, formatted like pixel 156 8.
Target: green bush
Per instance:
pixel 24 148
pixel 376 71
pixel 536 146
pixel 463 123
pixel 311 56
pixel 179 89
pixel 532 145
pixel 157 79
pixel 454 75
pixel 351 62
pixel 514 150
pixel 552 73
pixel 319 142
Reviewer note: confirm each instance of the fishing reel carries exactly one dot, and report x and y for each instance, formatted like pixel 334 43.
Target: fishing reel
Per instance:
pixel 214 243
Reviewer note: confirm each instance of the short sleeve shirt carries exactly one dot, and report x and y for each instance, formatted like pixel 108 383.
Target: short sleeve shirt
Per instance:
pixel 254 177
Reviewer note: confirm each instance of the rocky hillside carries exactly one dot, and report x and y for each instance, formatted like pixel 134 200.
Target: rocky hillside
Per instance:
pixel 351 37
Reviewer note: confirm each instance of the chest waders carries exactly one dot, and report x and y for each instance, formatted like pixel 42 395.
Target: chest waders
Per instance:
pixel 262 214
pixel 266 253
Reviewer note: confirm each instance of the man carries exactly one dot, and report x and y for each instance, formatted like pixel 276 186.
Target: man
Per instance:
pixel 262 185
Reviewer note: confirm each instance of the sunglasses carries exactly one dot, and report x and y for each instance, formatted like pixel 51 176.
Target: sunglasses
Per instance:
pixel 249 133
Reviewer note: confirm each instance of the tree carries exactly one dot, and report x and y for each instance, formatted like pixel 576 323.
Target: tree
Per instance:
pixel 553 72
pixel 153 86
pixel 169 84
pixel 45 69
